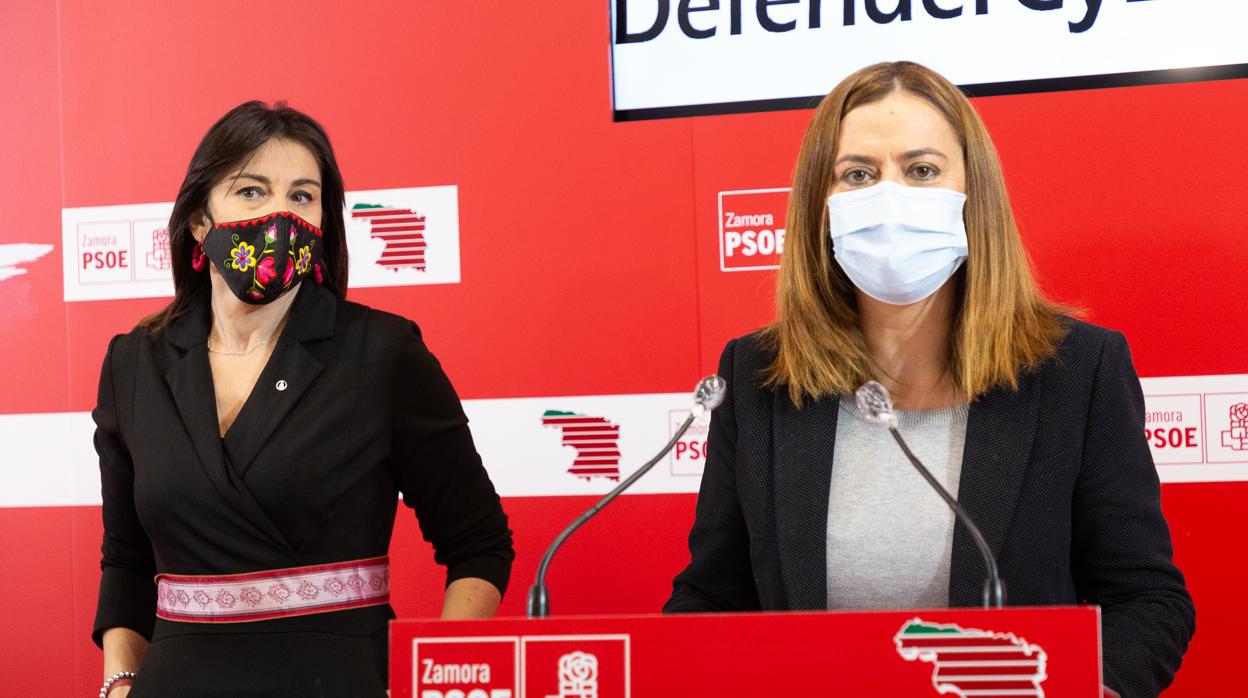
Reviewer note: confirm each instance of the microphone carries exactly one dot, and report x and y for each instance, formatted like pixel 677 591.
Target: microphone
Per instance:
pixel 877 406
pixel 708 395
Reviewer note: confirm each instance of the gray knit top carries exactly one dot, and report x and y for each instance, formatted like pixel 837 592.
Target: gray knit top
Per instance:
pixel 890 536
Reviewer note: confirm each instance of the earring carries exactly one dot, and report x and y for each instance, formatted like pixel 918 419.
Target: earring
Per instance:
pixel 199 260
pixel 316 274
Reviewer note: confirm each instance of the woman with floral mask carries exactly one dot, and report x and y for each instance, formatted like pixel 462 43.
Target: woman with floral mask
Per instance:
pixel 253 438
pixel 903 264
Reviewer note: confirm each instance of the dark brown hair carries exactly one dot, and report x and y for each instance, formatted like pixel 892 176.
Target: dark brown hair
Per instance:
pixel 227 145
pixel 1003 326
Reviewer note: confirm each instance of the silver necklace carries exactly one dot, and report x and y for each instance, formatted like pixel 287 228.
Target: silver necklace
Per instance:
pixel 245 352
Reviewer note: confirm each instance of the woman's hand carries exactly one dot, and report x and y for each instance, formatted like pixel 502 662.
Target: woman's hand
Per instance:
pixel 123 651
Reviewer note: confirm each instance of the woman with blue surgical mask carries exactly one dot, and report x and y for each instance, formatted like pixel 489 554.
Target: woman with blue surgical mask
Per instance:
pixel 903 265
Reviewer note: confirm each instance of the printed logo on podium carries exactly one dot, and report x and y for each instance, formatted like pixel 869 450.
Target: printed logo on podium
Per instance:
pixel 970 662
pixel 576 666
pixel 539 666
pixel 467 667
pixel 751 229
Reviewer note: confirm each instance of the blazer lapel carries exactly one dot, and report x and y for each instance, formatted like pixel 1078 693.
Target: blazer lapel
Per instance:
pixel 804 443
pixel 190 382
pixel 289 373
pixel 1000 430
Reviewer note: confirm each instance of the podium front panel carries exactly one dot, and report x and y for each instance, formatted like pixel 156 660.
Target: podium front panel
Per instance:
pixel 967 653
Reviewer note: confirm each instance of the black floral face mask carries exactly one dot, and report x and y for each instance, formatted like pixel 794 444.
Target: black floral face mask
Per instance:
pixel 262 258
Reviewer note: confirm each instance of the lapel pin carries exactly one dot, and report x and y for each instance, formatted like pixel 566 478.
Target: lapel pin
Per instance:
pixel 281 385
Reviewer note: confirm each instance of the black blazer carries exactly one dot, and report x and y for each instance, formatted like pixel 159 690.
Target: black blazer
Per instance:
pixel 308 474
pixel 1058 475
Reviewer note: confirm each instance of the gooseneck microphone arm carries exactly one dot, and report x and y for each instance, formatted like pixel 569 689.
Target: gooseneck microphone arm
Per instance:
pixel 707 396
pixel 994 588
pixel 876 405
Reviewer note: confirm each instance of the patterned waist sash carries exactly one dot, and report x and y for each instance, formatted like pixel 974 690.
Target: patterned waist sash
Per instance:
pixel 296 591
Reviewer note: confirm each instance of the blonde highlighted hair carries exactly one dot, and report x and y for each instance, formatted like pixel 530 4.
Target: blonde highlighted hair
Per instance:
pixel 1003 326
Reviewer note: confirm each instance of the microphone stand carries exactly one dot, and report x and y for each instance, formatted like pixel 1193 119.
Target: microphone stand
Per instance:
pixel 708 395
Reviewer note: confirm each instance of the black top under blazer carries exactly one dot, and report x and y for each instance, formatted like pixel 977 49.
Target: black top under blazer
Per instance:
pixel 1057 474
pixel 306 475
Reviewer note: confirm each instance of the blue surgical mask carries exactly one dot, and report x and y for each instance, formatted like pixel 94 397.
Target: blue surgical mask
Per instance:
pixel 898 244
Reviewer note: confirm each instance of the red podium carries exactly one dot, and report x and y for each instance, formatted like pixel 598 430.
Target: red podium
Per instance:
pixel 969 653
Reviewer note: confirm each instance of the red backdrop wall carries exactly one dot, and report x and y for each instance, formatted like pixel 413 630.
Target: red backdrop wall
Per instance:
pixel 589 250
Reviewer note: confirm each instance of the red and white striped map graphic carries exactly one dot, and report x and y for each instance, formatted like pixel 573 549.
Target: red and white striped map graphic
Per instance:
pixel 972 663
pixel 596 440
pixel 403 231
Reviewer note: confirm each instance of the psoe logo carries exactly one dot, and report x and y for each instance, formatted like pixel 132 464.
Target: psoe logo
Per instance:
pixel 1236 437
pixel 965 660
pixel 576 666
pixel 689 454
pixel 1172 427
pixel 578 676
pixel 751 229
pixel 1227 417
pixel 113 252
pixel 461 667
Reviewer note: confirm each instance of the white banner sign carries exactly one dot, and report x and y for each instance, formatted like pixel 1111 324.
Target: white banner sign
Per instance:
pixel 395 237
pixel 684 57
pixel 1196 427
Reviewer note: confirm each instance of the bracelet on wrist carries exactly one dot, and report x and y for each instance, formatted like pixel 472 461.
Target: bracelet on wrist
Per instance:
pixel 121 678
